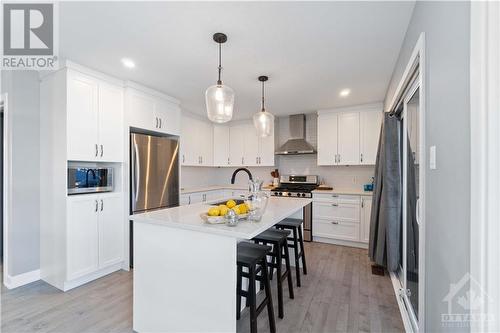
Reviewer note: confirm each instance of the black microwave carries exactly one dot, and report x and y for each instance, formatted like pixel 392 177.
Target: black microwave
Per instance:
pixel 89 180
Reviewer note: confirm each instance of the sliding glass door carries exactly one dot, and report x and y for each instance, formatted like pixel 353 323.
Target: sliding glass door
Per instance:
pixel 411 156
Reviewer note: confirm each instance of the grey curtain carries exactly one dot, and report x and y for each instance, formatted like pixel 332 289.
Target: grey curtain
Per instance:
pixel 385 220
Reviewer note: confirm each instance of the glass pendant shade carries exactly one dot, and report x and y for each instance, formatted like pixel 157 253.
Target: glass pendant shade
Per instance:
pixel 219 101
pixel 264 123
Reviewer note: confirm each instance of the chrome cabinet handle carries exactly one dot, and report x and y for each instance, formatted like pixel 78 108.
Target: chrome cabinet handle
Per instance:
pixel 102 150
pixel 335 195
pixel 228 161
pixel 160 122
pixel 156 122
pixel 335 205
pixel 362 203
pixel 361 157
pixel 96 150
pixel 256 160
pixel 339 158
pixel 102 205
pixel 183 158
pixel 96 206
pixel 189 200
pixel 335 222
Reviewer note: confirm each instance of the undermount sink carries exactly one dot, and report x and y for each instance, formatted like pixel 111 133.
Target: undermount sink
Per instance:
pixel 238 202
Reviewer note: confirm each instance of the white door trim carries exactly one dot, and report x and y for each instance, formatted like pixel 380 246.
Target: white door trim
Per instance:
pixel 7 185
pixel 485 159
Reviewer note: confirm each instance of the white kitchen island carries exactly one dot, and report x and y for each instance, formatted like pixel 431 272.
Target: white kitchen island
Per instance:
pixel 185 269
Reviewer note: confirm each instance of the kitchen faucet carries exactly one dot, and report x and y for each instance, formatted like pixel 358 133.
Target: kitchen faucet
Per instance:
pixel 233 177
pixel 87 176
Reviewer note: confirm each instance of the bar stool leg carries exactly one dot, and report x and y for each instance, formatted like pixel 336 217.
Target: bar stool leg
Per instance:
pixel 296 253
pixel 279 262
pixel 252 298
pixel 289 272
pixel 302 252
pixel 270 307
pixel 238 296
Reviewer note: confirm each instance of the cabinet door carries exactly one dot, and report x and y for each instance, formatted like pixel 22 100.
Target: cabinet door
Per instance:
pixel 196 197
pixel 82 236
pixel 251 144
pixel 221 145
pixel 366 209
pixel 327 139
pixel 189 148
pixel 206 143
pixel 237 145
pixel 141 110
pixel 370 123
pixel 348 138
pixel 111 230
pixel 169 117
pixel 184 199
pixel 266 151
pixel 110 123
pixel 82 121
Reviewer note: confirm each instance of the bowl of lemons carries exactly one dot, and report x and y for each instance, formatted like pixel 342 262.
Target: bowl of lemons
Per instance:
pixel 216 214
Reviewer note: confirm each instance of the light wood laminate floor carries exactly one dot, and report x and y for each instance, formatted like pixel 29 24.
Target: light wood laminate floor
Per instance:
pixel 338 295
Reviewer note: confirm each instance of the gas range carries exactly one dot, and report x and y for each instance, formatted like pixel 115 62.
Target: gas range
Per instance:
pixel 296 186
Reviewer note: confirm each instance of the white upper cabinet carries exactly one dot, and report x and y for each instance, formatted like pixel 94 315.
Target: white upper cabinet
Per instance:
pixel 327 139
pixel 150 110
pixel 237 145
pixel 251 146
pixel 349 136
pixel 196 142
pixel 82 117
pixel 94 119
pixel 370 123
pixel 266 151
pixel 221 146
pixel 110 123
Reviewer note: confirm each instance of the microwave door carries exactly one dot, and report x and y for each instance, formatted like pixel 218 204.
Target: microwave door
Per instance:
pixel 155 172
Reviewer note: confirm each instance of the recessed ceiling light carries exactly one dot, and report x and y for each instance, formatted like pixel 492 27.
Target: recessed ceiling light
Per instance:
pixel 128 63
pixel 345 92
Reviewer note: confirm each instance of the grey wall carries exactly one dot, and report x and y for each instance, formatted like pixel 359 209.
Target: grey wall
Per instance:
pixel 447 195
pixel 22 88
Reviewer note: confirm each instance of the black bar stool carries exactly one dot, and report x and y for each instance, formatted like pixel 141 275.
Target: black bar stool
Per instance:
pixel 278 239
pixel 295 225
pixel 254 258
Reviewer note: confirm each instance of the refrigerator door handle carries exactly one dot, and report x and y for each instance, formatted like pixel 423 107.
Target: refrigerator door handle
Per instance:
pixel 137 173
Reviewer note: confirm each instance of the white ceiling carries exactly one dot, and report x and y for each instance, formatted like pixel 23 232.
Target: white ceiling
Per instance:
pixel 310 51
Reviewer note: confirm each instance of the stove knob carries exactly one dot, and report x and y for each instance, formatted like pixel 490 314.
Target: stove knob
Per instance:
pixel 280 193
pixel 289 194
pixel 303 194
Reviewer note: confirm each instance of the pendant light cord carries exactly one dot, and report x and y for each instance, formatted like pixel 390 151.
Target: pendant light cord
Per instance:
pixel 219 81
pixel 263 108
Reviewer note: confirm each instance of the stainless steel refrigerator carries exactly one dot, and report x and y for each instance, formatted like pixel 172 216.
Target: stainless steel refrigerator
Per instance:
pixel 154 174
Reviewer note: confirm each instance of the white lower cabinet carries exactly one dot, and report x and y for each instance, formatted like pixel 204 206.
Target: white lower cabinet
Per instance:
pixel 341 219
pixel 366 210
pixel 210 196
pixel 95 233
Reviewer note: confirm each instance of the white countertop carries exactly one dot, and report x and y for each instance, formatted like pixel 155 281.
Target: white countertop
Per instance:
pixel 188 217
pixel 343 191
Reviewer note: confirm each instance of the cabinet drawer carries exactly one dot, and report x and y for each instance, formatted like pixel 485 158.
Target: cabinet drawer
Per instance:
pixel 336 229
pixel 336 198
pixel 336 211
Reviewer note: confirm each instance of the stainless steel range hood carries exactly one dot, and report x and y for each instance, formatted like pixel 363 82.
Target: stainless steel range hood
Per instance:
pixel 297 143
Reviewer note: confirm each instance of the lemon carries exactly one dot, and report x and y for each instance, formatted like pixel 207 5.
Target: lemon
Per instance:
pixel 223 210
pixel 214 211
pixel 243 208
pixel 230 203
pixel 236 210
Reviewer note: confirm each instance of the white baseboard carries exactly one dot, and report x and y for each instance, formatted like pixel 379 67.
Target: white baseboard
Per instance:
pixel 15 281
pixel 340 242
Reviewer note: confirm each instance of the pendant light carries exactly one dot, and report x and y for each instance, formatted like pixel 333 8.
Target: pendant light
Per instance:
pixel 263 120
pixel 219 98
